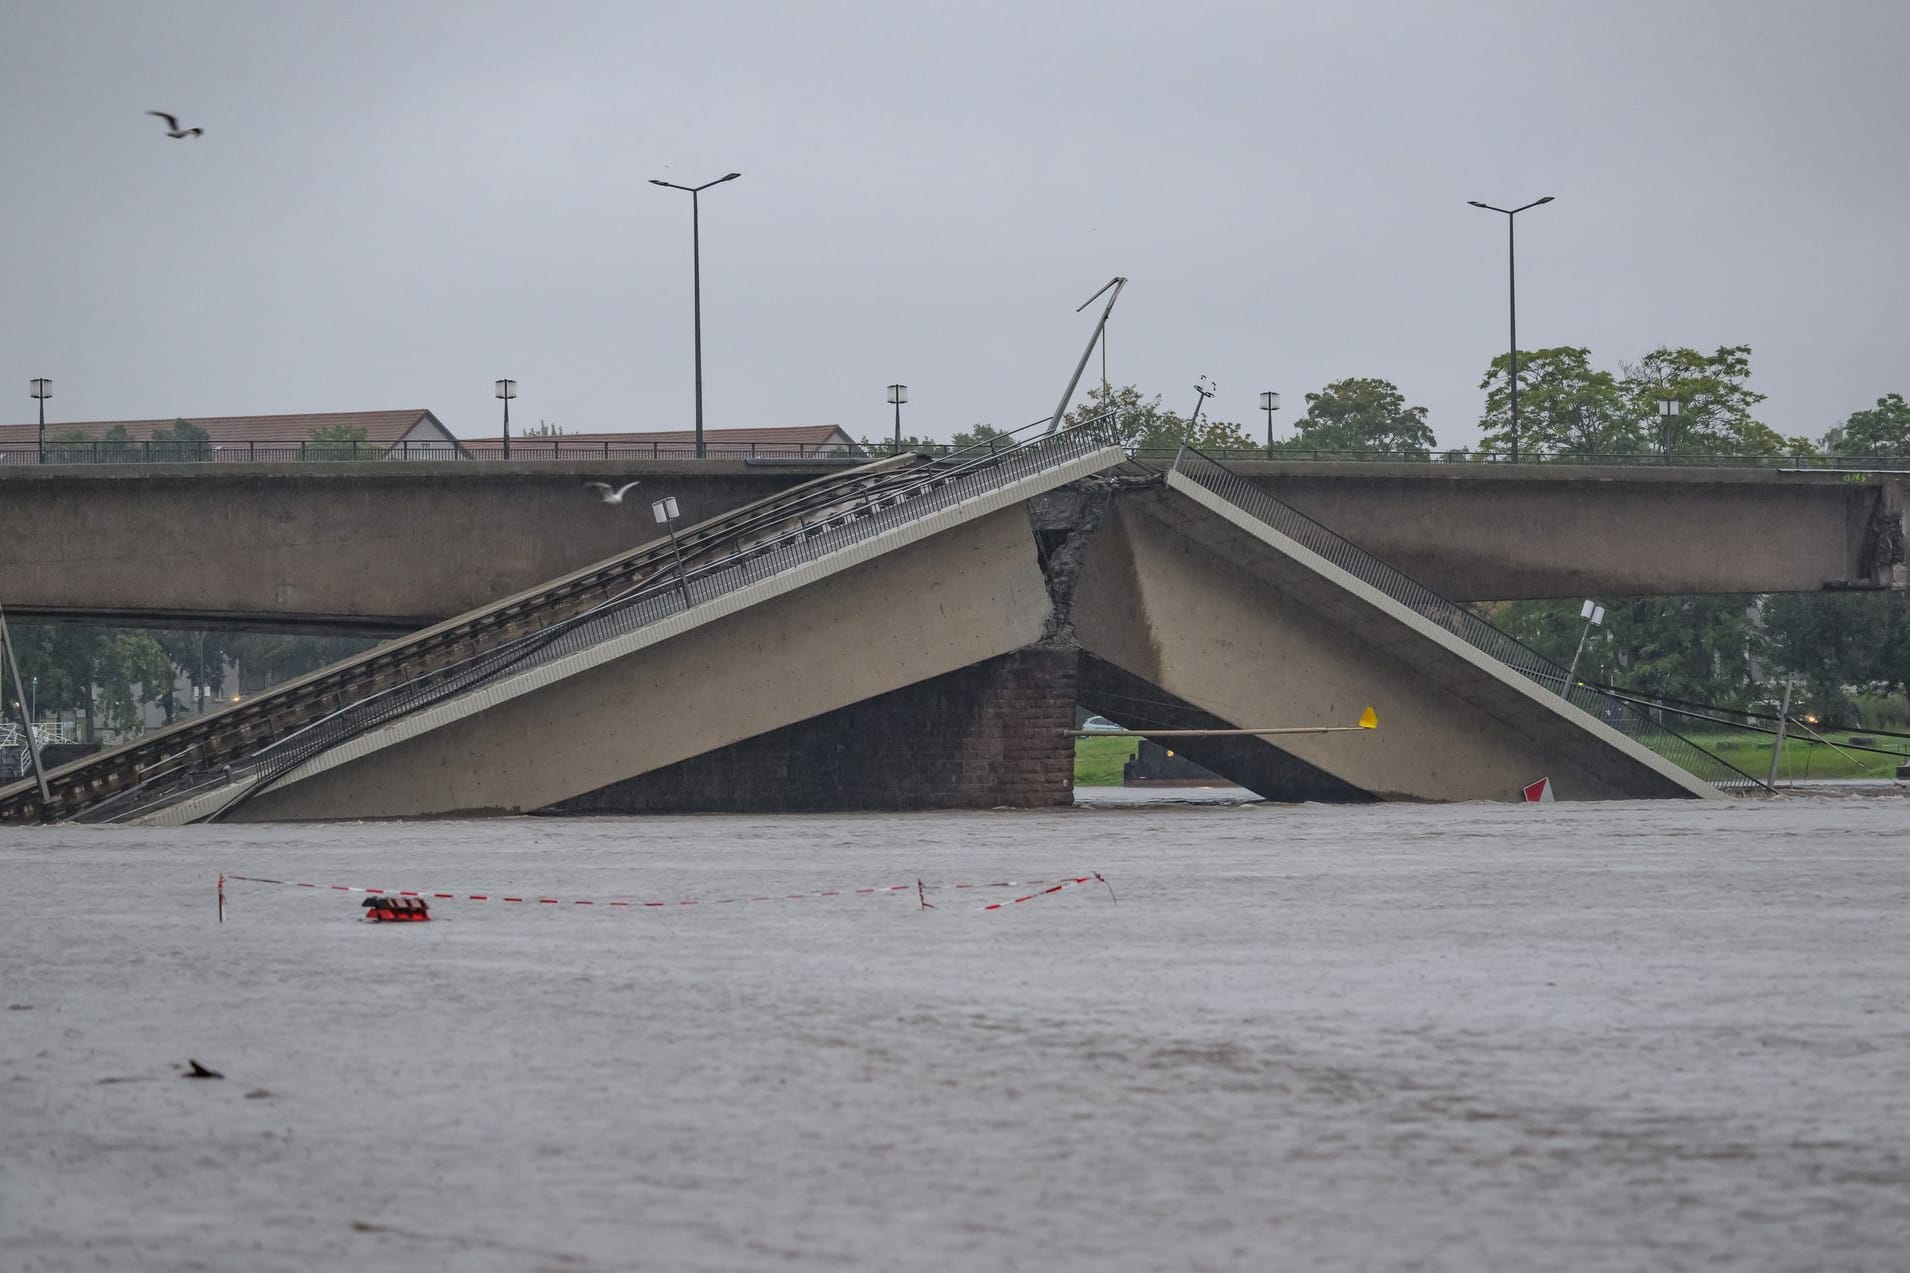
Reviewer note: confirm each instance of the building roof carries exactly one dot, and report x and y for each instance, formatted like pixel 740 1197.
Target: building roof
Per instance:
pixel 786 442
pixel 787 435
pixel 379 426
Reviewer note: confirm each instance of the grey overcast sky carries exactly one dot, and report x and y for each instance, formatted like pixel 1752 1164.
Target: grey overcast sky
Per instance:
pixel 396 203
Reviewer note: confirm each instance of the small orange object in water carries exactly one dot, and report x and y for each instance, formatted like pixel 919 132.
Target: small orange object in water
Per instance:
pixel 396 909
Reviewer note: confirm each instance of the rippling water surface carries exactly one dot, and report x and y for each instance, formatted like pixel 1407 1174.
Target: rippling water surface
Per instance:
pixel 1574 1037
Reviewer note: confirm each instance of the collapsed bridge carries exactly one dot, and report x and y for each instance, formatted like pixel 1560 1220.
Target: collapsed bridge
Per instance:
pixel 911 633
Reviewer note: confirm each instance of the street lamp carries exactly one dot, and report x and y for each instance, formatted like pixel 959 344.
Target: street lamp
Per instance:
pixel 1594 615
pixel 1512 302
pixel 42 389
pixel 1205 388
pixel 1669 410
pixel 664 510
pixel 696 285
pixel 1269 403
pixel 898 394
pixel 507 389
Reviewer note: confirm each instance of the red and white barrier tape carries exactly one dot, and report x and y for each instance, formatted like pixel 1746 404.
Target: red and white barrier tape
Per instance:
pixel 1074 881
pixel 918 887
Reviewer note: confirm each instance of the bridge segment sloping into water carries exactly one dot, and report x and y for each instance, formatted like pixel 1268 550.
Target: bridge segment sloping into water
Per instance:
pixel 1208 603
pixel 234 754
pixel 880 578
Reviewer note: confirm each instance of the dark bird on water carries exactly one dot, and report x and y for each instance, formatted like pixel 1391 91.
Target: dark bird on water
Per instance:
pixel 172 126
pixel 610 496
pixel 199 1071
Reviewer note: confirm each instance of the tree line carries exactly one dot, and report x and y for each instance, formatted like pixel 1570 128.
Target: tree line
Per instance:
pixel 104 677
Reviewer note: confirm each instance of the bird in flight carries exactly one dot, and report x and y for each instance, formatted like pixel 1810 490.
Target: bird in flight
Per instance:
pixel 172 126
pixel 611 496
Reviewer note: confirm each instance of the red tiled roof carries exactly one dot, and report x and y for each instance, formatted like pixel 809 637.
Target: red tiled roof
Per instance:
pixel 788 435
pixel 379 426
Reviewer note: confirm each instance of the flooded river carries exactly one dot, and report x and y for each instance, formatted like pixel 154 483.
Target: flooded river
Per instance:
pixel 1574 1037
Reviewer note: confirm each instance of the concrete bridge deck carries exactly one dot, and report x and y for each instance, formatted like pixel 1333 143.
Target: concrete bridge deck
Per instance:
pixel 384 548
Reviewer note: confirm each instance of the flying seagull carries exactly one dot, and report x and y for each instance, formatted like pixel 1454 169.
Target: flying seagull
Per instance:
pixel 172 126
pixel 610 496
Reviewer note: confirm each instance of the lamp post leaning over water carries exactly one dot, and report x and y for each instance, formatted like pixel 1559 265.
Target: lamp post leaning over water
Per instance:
pixel 1594 615
pixel 696 286
pixel 1512 306
pixel 1668 411
pixel 898 394
pixel 1269 403
pixel 42 389
pixel 507 389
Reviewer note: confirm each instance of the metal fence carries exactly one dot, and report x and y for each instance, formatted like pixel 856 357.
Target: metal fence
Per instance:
pixel 583 448
pixel 914 495
pixel 293 452
pixel 1460 621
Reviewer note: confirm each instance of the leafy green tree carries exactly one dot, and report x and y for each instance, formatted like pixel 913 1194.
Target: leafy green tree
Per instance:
pixel 1143 424
pixel 975 436
pixel 1883 430
pixel 117 445
pixel 544 429
pixel 1697 648
pixel 1362 414
pixel 268 658
pixel 103 675
pixel 181 441
pixel 1714 402
pixel 199 657
pixel 1838 644
pixel 1567 407
pixel 339 442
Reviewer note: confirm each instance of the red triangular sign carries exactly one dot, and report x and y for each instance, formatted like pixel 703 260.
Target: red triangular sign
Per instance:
pixel 1539 791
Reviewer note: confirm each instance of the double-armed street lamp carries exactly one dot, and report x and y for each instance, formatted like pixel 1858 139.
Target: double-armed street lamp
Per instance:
pixel 1669 409
pixel 665 511
pixel 696 285
pixel 1512 301
pixel 1269 403
pixel 42 389
pixel 1594 615
pixel 507 389
pixel 898 394
pixel 1206 389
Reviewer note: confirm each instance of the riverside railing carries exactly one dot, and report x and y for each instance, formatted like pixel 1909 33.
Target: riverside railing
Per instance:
pixel 1460 621
pixel 582 447
pixel 913 495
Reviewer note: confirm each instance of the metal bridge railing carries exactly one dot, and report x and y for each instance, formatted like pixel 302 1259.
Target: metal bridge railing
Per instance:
pixel 582 447
pixel 915 495
pixel 1460 621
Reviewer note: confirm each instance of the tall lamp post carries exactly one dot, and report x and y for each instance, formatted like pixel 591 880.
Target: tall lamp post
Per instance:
pixel 898 394
pixel 507 389
pixel 1269 403
pixel 42 389
pixel 665 511
pixel 1205 389
pixel 1669 410
pixel 696 285
pixel 1512 302
pixel 1594 615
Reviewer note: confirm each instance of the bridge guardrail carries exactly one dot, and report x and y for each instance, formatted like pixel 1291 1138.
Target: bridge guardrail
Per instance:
pixel 913 496
pixel 581 447
pixel 1459 620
